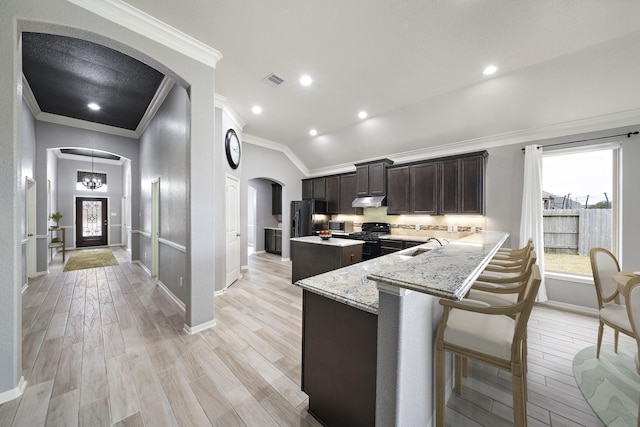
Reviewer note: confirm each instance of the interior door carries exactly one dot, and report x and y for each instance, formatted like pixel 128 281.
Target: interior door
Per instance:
pixel 232 220
pixel 91 222
pixel 155 227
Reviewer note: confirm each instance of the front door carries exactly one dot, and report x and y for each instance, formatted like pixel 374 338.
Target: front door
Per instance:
pixel 91 222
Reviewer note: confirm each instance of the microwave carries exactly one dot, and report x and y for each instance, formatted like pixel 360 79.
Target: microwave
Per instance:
pixel 341 226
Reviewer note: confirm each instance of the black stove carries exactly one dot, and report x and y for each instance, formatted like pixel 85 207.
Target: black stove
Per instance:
pixel 371 232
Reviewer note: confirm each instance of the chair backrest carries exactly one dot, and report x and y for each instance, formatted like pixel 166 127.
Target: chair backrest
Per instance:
pixel 522 318
pixel 604 264
pixel 633 309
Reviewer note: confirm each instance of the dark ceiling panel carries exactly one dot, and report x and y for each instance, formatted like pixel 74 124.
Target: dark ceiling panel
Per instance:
pixel 66 74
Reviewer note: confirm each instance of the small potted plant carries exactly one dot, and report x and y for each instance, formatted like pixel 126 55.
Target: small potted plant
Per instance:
pixel 55 217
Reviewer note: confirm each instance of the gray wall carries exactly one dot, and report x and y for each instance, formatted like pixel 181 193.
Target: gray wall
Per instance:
pixel 67 192
pixel 163 155
pixel 260 162
pixel 264 218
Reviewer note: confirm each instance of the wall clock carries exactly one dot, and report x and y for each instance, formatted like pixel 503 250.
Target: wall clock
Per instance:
pixel 232 148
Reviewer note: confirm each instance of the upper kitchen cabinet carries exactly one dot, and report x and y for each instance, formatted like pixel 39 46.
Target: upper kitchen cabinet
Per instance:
pixel 347 194
pixel 398 186
pixel 332 194
pixel 314 188
pixel 307 189
pixel 462 184
pixel 276 199
pixel 452 185
pixel 371 178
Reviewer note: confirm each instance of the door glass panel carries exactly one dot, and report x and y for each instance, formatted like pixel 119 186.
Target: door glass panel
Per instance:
pixel 92 218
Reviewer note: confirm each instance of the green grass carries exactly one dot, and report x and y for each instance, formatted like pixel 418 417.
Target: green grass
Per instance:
pixel 564 263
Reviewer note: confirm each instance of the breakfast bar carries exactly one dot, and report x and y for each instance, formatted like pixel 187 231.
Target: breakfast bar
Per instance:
pixel 368 331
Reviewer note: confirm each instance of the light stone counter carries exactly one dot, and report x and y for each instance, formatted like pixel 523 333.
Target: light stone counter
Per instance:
pixel 343 243
pixel 444 271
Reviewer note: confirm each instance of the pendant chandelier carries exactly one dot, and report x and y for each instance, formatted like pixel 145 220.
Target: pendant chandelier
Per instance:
pixel 92 181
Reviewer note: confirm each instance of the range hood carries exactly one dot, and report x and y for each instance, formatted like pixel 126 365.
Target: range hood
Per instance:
pixel 368 202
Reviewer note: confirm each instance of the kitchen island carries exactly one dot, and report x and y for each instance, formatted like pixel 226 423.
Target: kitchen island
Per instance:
pixel 368 331
pixel 312 255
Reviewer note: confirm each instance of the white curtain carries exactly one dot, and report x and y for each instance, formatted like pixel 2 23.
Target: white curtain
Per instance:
pixel 531 219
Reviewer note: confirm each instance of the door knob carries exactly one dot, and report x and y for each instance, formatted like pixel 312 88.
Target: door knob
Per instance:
pixel 29 235
pixel 237 234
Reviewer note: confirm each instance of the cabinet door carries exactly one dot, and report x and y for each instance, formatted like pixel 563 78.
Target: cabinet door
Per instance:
pixel 471 185
pixel 449 193
pixel 347 194
pixel 307 189
pixel 398 199
pixel 276 199
pixel 362 180
pixel 377 179
pixel 269 240
pixel 424 188
pixel 319 188
pixel 277 242
pixel 332 186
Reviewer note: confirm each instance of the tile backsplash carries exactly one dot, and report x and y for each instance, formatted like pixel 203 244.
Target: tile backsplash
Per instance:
pixel 446 226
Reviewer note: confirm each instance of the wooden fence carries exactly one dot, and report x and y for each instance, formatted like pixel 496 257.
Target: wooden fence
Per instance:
pixel 576 231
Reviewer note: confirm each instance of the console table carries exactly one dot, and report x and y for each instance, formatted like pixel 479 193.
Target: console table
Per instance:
pixel 59 234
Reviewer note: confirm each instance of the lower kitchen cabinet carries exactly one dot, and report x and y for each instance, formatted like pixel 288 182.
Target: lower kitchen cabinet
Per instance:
pixel 273 240
pixel 389 246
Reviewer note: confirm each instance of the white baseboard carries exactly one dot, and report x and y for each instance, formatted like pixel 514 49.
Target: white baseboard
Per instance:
pixel 191 330
pixel 587 311
pixel 285 259
pixel 144 267
pixel 14 392
pixel 244 267
pixel 24 288
pixel 173 297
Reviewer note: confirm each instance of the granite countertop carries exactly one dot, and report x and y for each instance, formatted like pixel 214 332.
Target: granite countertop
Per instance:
pixel 445 271
pixel 329 242
pixel 448 271
pixel 273 228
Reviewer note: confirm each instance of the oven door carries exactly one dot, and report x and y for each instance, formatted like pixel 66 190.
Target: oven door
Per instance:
pixel 370 250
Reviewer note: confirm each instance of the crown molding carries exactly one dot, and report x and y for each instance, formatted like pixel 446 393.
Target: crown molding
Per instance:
pixel 161 94
pixel 29 98
pixel 142 23
pixel 265 143
pixel 96 127
pixel 222 102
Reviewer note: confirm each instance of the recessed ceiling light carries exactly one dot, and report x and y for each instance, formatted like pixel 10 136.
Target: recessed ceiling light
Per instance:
pixel 490 70
pixel 306 80
pixel 362 114
pixel 93 106
pixel 256 109
pixel 313 132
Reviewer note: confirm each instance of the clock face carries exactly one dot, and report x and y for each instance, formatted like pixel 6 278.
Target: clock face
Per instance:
pixel 232 148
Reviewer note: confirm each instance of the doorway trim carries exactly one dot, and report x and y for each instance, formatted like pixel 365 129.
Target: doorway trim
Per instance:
pixel 31 225
pixel 155 226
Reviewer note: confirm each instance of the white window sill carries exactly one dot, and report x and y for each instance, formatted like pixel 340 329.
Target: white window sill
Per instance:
pixel 568 277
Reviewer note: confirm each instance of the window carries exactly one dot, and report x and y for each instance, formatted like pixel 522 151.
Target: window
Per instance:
pixel 579 192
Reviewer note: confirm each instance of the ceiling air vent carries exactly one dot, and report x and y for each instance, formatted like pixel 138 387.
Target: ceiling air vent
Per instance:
pixel 273 80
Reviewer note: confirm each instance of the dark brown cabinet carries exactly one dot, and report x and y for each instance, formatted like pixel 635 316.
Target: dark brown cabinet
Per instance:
pixel 423 188
pixel 398 186
pixel 332 194
pixel 307 189
pixel 452 185
pixel 314 188
pixel 347 194
pixel 371 178
pixel 273 241
pixel 276 199
pixel 389 246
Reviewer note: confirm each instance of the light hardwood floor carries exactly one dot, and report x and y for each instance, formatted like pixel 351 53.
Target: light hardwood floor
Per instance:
pixel 104 347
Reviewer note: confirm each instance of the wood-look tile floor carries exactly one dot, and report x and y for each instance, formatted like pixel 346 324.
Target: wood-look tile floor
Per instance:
pixel 105 347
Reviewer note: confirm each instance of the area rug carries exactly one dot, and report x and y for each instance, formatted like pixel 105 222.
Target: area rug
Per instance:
pixel 610 384
pixel 90 259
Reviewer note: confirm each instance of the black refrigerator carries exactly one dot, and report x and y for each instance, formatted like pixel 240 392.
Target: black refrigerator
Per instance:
pixel 308 216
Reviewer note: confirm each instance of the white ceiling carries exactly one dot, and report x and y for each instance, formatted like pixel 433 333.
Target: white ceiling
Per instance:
pixel 416 67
